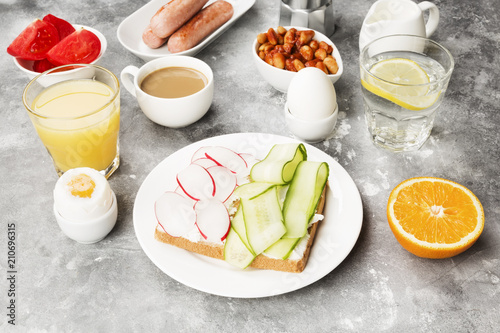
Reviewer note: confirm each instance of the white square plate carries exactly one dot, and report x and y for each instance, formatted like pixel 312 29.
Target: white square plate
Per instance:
pixel 130 30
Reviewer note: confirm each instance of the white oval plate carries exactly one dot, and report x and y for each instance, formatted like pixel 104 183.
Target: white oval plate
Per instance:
pixel 335 238
pixel 130 30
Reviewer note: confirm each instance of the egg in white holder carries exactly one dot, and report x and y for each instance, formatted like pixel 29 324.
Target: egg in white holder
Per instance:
pixel 311 110
pixel 85 205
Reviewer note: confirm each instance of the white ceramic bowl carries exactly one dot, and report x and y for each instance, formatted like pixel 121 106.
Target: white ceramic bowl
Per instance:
pixel 91 231
pixel 311 130
pixel 27 65
pixel 170 112
pixel 280 78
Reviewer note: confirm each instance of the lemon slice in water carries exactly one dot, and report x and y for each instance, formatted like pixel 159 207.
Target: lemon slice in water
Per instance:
pixel 402 81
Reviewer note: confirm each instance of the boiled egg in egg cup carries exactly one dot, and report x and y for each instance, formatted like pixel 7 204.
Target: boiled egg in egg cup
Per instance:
pixel 85 205
pixel 311 109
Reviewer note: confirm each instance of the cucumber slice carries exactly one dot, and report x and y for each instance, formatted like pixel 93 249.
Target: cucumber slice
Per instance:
pixel 303 197
pixel 282 248
pixel 263 220
pixel 250 190
pixel 238 224
pixel 280 163
pixel 235 252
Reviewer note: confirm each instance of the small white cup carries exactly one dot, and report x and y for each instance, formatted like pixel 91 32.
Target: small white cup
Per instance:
pixel 311 130
pixel 170 112
pixel 390 17
pixel 91 231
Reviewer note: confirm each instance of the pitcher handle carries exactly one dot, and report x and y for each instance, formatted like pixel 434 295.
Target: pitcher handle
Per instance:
pixel 433 20
pixel 128 76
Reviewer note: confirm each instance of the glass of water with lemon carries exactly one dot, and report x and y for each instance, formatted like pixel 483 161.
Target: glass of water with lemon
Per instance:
pixel 403 79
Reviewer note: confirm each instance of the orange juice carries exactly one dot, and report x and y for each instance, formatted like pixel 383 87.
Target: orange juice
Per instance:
pixel 78 122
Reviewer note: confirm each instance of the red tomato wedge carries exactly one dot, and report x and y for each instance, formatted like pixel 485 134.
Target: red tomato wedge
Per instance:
pixel 43 65
pixel 35 41
pixel 64 28
pixel 81 47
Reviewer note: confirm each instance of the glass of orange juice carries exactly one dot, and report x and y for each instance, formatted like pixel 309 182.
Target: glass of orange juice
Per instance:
pixel 76 112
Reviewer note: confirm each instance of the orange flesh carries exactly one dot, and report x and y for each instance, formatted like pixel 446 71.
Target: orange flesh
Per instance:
pixel 435 212
pixel 82 186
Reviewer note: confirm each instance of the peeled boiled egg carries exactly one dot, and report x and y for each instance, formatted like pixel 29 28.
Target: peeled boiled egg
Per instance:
pixel 82 194
pixel 311 95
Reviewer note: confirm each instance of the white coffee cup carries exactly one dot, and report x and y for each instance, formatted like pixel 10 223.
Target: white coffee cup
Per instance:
pixel 390 17
pixel 170 112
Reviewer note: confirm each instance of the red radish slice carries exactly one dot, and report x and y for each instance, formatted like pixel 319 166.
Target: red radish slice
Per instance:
pixel 204 162
pixel 175 214
pixel 250 159
pixel 181 192
pixel 226 157
pixel 212 220
pixel 225 182
pixel 200 153
pixel 196 182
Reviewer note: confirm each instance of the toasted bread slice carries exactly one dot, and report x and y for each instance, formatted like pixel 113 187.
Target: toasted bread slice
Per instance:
pixel 261 261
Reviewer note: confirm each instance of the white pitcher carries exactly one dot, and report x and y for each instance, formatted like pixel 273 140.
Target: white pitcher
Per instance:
pixel 389 17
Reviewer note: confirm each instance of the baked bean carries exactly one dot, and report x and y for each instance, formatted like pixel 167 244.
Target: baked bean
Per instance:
pixel 305 37
pixel 280 49
pixel 269 59
pixel 288 47
pixel 331 64
pixel 322 66
pixel 272 37
pixel 298 65
pixel 290 36
pixel 281 30
pixel 320 54
pixel 307 52
pixel 314 44
pixel 267 47
pixel 312 63
pixel 289 65
pixel 297 56
pixel 279 60
pixel 326 47
pixel 261 38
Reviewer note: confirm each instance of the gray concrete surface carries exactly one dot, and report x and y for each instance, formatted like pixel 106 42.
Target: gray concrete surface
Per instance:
pixel 112 286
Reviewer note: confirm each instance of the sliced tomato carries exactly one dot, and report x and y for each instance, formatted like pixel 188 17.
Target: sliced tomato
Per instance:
pixel 64 28
pixel 35 41
pixel 81 47
pixel 43 65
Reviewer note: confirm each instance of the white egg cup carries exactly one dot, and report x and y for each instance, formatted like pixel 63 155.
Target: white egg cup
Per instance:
pixel 91 231
pixel 311 131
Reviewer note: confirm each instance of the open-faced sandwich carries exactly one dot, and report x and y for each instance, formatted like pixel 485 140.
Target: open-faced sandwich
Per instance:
pixel 230 206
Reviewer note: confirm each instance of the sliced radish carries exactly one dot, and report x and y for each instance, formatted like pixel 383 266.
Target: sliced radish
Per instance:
pixel 196 182
pixel 226 157
pixel 175 214
pixel 204 162
pixel 250 159
pixel 225 182
pixel 212 219
pixel 200 153
pixel 181 192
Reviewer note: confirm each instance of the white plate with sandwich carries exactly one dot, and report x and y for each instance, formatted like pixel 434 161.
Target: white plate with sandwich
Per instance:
pixel 335 237
pixel 130 30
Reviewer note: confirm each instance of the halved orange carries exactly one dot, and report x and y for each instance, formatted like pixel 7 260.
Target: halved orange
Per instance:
pixel 433 217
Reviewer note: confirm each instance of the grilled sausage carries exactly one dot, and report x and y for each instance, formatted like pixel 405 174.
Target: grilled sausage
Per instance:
pixel 151 40
pixel 201 25
pixel 173 15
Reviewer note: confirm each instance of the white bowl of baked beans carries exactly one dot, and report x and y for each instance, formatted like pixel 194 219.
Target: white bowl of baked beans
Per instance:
pixel 281 52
